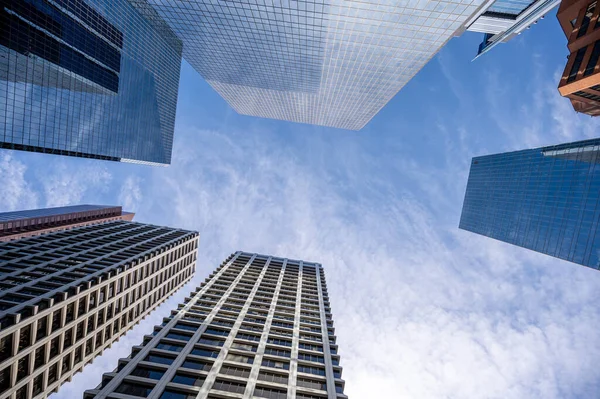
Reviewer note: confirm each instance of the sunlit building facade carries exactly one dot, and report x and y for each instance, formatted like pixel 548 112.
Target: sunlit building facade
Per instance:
pixel 66 296
pixel 88 78
pixel 544 199
pixel 503 20
pixel 332 63
pixel 32 222
pixel 258 327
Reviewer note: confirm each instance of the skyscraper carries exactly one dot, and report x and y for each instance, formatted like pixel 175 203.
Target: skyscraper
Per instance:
pixel 20 224
pixel 258 327
pixel 66 296
pixel 505 19
pixel 88 78
pixel 580 81
pixel 331 63
pixel 544 199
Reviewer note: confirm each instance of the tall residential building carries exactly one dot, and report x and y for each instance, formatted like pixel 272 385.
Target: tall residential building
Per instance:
pixel 503 20
pixel 331 63
pixel 66 296
pixel 20 224
pixel 580 81
pixel 258 327
pixel 88 78
pixel 545 199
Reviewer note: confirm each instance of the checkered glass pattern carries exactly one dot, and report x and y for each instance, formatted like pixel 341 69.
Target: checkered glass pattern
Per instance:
pixel 88 78
pixel 544 199
pixel 325 62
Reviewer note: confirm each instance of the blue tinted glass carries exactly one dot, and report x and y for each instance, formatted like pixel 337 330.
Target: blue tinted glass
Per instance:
pixel 88 78
pixel 545 199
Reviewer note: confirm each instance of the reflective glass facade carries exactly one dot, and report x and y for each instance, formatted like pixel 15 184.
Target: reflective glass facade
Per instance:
pixel 88 78
pixel 545 199
pixel 326 62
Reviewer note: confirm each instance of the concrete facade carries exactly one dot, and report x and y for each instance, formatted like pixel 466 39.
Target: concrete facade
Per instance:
pixel 258 327
pixel 66 296
pixel 29 223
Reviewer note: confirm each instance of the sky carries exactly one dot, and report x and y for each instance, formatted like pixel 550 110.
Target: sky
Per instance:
pixel 421 308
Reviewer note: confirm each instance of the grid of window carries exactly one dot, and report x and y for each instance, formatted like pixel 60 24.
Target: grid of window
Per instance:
pixel 88 78
pixel 67 296
pixel 333 63
pixel 272 360
pixel 543 199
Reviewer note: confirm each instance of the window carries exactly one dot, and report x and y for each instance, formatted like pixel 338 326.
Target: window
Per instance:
pixel 245 347
pixel 229 386
pixel 169 347
pixel 136 389
pixel 311 358
pixel 235 371
pixel 276 364
pixel 576 64
pixel 239 358
pixel 205 352
pixel 271 393
pixel 159 359
pixel 187 327
pixel 188 379
pixel 312 384
pixel 211 341
pixel 215 331
pixel 277 341
pixel 249 337
pixel 178 336
pixel 277 352
pixel 585 23
pixel 171 393
pixel 195 365
pixel 311 370
pixel 310 347
pixel 273 377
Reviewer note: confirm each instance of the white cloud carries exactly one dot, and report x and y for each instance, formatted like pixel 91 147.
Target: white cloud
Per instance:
pixel 15 191
pixel 131 193
pixel 63 185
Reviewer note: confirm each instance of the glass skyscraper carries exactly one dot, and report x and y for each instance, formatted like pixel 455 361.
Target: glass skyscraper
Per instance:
pixel 326 62
pixel 545 199
pixel 88 78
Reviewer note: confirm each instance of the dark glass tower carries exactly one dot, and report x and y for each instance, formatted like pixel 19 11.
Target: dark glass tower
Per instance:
pixel 66 296
pixel 88 78
pixel 544 199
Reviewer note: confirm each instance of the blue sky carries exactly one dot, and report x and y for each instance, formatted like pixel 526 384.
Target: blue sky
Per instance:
pixel 421 309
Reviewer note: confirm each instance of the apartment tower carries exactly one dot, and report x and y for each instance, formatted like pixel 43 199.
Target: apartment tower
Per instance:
pixel 544 199
pixel 580 81
pixel 20 224
pixel 258 327
pixel 88 78
pixel 67 295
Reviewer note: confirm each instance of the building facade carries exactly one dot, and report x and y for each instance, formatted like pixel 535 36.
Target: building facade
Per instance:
pixel 66 296
pixel 326 62
pixel 580 81
pixel 505 19
pixel 88 78
pixel 544 199
pixel 258 327
pixel 21 224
